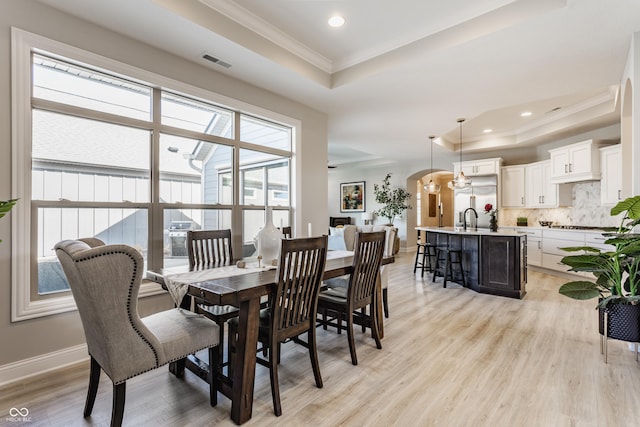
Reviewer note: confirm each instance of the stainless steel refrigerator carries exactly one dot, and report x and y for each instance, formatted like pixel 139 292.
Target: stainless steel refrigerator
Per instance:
pixel 483 190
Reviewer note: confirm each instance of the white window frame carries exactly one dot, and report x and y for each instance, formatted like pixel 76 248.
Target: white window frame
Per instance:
pixel 22 44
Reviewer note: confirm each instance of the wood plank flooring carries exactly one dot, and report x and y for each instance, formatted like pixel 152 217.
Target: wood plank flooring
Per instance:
pixel 450 357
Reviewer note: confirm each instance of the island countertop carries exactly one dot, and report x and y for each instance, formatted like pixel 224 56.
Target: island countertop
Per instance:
pixel 471 231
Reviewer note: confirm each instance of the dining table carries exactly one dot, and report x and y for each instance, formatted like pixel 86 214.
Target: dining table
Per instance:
pixel 242 289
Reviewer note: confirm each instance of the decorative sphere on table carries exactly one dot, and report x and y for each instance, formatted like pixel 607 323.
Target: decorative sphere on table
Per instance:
pixel 268 239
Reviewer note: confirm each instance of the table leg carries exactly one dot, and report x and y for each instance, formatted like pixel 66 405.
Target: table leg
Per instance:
pixel 245 361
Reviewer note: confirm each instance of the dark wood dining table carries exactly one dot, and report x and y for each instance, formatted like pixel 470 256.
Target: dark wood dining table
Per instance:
pixel 245 292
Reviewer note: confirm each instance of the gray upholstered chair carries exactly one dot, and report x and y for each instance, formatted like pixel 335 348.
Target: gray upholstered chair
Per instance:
pixel 105 280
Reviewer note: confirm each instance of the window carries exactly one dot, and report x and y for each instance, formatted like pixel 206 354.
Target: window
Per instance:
pixel 97 161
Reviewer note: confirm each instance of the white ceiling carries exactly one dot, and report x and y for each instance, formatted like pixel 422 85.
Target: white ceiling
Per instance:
pixel 401 70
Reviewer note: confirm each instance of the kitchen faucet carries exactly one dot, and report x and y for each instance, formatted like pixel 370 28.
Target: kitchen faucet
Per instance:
pixel 464 218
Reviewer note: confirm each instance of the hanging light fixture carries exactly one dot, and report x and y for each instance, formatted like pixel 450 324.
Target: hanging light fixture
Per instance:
pixel 460 181
pixel 432 187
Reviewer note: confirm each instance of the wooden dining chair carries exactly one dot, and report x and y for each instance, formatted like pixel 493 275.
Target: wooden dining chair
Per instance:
pixel 339 302
pixel 292 308
pixel 104 281
pixel 210 249
pixel 286 232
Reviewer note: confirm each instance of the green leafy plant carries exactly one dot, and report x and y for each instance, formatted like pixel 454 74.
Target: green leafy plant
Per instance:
pixel 394 200
pixel 522 219
pixel 617 271
pixel 5 207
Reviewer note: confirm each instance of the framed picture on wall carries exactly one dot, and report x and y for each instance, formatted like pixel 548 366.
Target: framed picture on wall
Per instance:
pixel 352 197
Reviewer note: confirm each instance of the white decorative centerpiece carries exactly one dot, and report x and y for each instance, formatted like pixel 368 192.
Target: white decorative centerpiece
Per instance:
pixel 267 241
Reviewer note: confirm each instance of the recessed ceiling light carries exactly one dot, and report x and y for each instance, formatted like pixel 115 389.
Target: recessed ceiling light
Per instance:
pixel 525 114
pixel 487 130
pixel 336 21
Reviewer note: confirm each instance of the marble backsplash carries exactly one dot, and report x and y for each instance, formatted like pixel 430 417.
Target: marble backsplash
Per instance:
pixel 585 210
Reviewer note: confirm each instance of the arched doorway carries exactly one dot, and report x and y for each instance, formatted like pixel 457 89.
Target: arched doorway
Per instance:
pixel 428 206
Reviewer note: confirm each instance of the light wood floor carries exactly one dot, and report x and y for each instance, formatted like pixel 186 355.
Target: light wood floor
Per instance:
pixel 450 357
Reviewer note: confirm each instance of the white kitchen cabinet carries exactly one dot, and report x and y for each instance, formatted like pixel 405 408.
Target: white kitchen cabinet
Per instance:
pixel 513 186
pixel 534 245
pixel 540 191
pixel 575 162
pixel 611 168
pixel 552 241
pixel 597 239
pixel 478 167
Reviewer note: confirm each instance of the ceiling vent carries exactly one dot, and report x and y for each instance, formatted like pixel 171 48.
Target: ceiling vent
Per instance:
pixel 216 60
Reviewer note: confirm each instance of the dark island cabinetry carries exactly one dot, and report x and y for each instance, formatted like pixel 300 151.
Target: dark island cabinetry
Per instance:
pixel 503 265
pixel 493 262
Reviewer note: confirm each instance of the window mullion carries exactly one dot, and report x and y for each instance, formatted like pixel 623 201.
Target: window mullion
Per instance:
pixel 156 213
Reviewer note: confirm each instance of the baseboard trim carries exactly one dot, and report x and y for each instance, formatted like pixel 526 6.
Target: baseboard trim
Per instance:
pixel 33 366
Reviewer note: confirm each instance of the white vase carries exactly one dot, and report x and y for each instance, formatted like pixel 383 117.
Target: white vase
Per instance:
pixel 268 240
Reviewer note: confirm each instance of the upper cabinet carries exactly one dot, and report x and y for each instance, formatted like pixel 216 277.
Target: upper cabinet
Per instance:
pixel 478 167
pixel 540 191
pixel 513 186
pixel 611 184
pixel 575 162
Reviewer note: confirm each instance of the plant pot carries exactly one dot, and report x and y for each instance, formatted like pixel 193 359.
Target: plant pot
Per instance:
pixel 624 322
pixel 521 224
pixel 493 223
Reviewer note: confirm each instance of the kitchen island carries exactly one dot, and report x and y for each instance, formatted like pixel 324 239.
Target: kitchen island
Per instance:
pixel 494 262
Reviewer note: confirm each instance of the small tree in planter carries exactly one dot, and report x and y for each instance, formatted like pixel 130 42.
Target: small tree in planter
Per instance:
pixel 394 200
pixel 617 274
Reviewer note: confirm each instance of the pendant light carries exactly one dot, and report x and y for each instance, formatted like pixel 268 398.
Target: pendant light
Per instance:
pixel 432 187
pixel 460 181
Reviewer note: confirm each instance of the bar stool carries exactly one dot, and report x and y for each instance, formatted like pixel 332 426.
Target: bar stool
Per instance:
pixel 451 257
pixel 425 256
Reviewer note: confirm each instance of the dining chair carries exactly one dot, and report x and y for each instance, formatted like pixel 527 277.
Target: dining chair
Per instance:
pixel 389 249
pixel 286 232
pixel 360 293
pixel 210 249
pixel 292 307
pixel 104 281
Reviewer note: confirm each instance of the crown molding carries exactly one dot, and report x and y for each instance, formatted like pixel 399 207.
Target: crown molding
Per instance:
pixel 264 29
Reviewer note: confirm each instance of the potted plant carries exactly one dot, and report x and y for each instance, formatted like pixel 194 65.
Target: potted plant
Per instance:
pixel 5 207
pixel 617 274
pixel 522 221
pixel 394 200
pixel 493 222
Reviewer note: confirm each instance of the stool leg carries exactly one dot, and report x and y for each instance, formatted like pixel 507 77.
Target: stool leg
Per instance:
pixel 448 271
pixel 415 265
pixel 424 261
pixel 435 269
